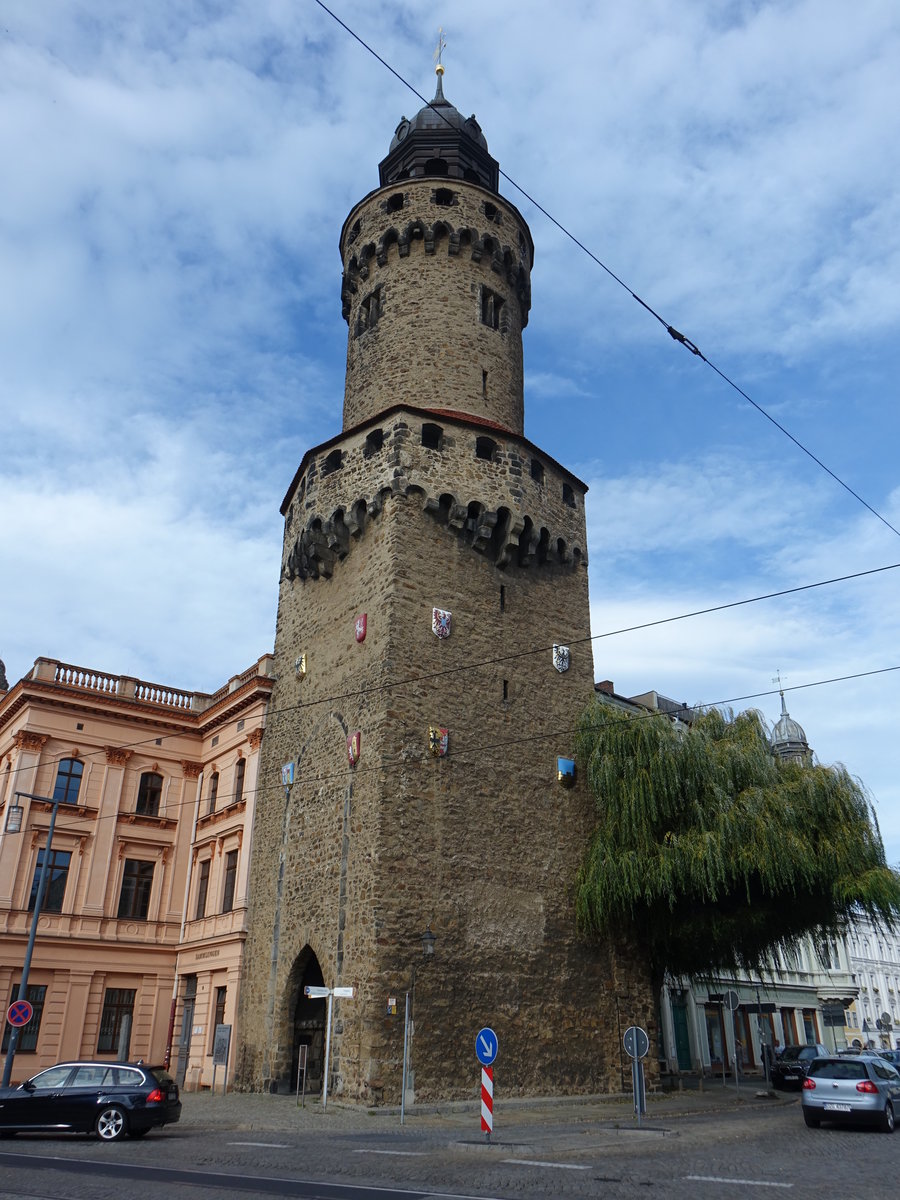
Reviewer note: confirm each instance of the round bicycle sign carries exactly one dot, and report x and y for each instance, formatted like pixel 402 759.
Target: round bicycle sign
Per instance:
pixel 19 1013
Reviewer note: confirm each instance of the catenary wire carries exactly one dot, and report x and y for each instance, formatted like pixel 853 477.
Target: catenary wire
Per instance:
pixel 500 659
pixel 675 334
pixel 475 751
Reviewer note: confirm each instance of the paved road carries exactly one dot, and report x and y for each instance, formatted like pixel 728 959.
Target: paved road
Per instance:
pixel 698 1146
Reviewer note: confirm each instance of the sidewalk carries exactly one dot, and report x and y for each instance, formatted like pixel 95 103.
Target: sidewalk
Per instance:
pixel 262 1112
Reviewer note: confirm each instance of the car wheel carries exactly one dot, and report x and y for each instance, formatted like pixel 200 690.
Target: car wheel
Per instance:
pixel 138 1132
pixel 887 1118
pixel 110 1124
pixel 811 1121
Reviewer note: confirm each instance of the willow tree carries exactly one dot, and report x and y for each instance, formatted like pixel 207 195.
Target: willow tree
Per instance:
pixel 712 853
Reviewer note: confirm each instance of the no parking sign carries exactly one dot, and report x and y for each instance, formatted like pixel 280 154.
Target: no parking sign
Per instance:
pixel 19 1013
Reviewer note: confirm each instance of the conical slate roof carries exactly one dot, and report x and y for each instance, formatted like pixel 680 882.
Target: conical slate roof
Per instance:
pixel 439 141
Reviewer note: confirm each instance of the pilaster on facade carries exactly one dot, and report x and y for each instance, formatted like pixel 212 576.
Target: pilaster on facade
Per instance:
pixel 121 850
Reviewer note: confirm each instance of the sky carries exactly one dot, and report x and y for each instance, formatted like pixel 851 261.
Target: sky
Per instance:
pixel 175 176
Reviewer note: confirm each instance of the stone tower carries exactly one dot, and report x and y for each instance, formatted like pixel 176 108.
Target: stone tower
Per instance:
pixel 426 790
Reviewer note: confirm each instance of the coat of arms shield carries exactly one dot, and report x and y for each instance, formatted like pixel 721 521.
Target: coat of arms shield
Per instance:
pixel 361 622
pixel 353 747
pixel 438 740
pixel 440 622
pixel 561 657
pixel 565 771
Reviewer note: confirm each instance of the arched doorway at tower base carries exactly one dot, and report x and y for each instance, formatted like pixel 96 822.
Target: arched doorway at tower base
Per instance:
pixel 307 1021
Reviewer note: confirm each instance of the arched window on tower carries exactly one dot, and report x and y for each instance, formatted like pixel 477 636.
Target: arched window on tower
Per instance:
pixel 491 304
pixel 436 166
pixel 369 311
pixel 332 462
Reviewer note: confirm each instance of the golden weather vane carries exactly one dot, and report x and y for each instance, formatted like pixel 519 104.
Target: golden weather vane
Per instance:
pixel 441 47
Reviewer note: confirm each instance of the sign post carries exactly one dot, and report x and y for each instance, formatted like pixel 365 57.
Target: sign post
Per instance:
pixel 487 1045
pixel 637 1043
pixel 317 993
pixel 302 1052
pixel 732 1002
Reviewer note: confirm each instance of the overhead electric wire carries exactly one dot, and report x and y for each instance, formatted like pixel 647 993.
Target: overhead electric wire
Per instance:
pixel 475 751
pixel 390 685
pixel 675 334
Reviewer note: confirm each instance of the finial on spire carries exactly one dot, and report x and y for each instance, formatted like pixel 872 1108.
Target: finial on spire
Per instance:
pixel 777 679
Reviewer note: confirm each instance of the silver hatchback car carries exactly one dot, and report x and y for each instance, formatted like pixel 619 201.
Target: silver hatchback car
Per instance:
pixel 863 1089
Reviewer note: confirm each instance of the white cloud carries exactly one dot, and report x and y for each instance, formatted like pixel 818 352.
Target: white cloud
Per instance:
pixel 170 338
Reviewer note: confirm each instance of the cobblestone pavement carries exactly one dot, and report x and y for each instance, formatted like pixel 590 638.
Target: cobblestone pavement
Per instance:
pixel 715 1143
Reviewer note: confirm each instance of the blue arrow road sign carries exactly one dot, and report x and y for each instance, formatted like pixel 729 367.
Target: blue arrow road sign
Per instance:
pixel 486 1046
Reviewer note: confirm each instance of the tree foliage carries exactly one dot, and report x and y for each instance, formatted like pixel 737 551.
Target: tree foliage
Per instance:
pixel 711 852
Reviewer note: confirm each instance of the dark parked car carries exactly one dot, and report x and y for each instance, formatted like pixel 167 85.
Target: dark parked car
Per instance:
pixel 892 1056
pixel 789 1069
pixel 106 1098
pixel 865 1090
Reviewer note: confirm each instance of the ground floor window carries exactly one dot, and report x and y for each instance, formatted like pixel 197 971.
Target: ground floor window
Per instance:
pixel 115 1021
pixel 28 1034
pixel 714 1036
pixel 810 1029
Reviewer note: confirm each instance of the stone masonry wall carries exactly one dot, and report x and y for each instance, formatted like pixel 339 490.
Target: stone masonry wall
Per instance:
pixel 483 844
pixel 414 275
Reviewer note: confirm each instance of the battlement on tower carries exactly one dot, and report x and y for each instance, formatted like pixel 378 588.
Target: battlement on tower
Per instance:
pixel 492 490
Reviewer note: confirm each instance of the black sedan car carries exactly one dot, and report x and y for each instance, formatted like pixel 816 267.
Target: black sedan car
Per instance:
pixel 106 1098
pixel 789 1069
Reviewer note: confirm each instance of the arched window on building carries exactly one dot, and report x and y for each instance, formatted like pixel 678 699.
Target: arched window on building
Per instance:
pixel 149 794
pixel 68 781
pixel 213 792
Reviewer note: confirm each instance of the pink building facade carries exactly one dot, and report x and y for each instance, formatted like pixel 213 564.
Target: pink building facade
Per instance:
pixel 141 930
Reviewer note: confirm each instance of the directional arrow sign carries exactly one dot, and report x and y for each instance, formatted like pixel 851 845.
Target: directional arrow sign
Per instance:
pixel 486 1046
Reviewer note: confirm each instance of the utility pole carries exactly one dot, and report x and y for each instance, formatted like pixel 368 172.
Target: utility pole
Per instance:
pixel 14 825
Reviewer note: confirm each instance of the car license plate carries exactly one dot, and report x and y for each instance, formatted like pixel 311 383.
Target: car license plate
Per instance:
pixel 837 1107
pixel 792 1076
